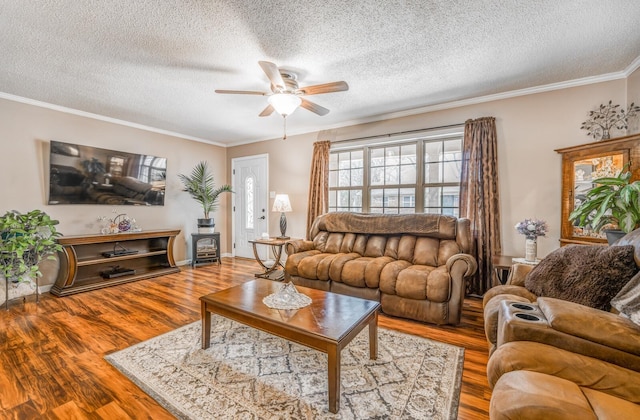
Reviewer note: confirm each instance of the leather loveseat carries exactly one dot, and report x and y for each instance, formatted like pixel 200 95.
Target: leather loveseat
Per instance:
pixel 555 359
pixel 416 265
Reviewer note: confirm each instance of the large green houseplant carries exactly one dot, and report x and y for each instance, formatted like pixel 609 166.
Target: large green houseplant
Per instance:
pixel 201 187
pixel 25 241
pixel 615 201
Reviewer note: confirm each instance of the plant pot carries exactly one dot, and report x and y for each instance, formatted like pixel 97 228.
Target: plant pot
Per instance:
pixel 206 222
pixel 613 235
pixel 206 225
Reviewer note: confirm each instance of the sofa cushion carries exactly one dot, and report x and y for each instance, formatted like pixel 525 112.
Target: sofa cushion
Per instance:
pixel 375 246
pixel 418 282
pixel 389 276
pixel 594 373
pixel 590 275
pixel 426 252
pixel 294 259
pixel 523 394
pixel 406 246
pixel 334 241
pixel 316 266
pixel 364 271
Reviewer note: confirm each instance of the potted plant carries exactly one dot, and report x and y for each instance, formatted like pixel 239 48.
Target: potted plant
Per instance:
pixel 201 187
pixel 614 202
pixel 26 240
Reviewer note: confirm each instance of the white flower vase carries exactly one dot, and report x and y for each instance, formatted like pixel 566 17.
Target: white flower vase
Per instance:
pixel 531 250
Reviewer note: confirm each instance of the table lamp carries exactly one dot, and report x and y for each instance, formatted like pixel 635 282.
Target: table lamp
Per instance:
pixel 282 205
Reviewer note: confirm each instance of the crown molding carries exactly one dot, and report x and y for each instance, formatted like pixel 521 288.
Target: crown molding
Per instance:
pixel 632 67
pixel 504 95
pixel 635 64
pixel 104 118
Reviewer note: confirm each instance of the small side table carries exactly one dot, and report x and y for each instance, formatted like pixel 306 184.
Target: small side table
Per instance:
pixel 502 266
pixel 276 270
pixel 206 252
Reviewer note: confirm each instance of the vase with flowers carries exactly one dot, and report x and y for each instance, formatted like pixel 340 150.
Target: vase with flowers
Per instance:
pixel 532 229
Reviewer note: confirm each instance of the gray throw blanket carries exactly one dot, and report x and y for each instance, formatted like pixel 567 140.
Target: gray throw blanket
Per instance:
pixel 627 301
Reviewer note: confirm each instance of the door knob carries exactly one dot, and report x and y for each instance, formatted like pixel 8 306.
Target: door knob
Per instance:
pixel 262 218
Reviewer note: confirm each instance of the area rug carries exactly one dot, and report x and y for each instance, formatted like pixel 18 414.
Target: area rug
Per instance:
pixel 248 374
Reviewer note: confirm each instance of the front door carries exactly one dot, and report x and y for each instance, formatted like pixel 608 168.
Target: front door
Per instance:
pixel 251 198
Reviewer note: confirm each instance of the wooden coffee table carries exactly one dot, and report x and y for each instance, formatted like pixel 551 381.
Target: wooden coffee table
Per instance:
pixel 327 325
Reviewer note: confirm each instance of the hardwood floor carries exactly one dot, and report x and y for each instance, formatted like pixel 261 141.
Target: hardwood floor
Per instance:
pixel 52 353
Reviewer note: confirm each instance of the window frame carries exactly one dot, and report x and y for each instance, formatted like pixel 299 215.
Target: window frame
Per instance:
pixel 420 185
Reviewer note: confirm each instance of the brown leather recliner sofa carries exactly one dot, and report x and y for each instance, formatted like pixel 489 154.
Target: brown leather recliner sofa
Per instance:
pixel 416 265
pixel 555 359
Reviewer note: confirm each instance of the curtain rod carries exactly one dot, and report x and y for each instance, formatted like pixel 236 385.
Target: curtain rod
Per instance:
pixel 422 130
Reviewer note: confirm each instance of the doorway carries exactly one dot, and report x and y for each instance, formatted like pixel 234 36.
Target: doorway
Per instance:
pixel 250 181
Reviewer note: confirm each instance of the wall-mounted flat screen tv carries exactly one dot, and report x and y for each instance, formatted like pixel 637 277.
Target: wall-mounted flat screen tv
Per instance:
pixel 90 175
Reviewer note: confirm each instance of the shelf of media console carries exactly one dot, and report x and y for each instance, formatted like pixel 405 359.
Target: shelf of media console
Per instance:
pixel 85 258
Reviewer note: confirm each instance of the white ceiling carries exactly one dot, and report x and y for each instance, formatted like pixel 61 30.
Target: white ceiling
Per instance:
pixel 156 63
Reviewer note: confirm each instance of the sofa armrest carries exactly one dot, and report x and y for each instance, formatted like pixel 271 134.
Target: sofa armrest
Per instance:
pixel 592 324
pixel 468 261
pixel 518 273
pixel 299 245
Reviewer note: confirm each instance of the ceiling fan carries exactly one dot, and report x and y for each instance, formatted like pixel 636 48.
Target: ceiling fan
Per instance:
pixel 286 95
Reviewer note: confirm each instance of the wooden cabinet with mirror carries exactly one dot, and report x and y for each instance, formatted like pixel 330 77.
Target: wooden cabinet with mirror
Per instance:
pixel 580 166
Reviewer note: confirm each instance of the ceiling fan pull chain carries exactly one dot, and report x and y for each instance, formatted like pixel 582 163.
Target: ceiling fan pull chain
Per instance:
pixel 284 136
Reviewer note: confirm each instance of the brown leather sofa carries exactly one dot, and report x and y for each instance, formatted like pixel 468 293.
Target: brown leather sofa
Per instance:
pixel 555 359
pixel 561 360
pixel 416 265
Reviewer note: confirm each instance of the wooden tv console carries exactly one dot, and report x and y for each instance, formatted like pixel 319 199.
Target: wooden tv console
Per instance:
pixel 91 262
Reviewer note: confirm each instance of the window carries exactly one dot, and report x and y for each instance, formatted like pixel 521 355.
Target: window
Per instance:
pixel 346 174
pixel 442 166
pixel 399 176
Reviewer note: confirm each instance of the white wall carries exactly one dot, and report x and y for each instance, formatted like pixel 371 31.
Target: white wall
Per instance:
pixel 25 132
pixel 529 128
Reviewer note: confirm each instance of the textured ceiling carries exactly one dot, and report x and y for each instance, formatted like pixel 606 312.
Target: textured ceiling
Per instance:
pixel 156 63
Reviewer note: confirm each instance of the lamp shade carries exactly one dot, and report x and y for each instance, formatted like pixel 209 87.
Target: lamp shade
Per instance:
pixel 282 203
pixel 284 103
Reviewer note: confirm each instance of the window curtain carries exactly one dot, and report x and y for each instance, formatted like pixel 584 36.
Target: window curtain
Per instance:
pixel 479 197
pixel 318 183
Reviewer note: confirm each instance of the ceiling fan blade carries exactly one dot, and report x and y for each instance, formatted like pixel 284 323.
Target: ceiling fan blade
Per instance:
pixel 324 88
pixel 267 111
pixel 320 110
pixel 272 72
pixel 241 92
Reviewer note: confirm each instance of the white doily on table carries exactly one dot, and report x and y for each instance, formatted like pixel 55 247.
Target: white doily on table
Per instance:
pixel 287 297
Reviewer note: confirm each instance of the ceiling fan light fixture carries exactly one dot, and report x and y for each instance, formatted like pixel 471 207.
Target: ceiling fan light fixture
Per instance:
pixel 284 103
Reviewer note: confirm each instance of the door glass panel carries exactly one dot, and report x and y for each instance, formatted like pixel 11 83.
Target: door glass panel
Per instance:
pixel 585 172
pixel 249 199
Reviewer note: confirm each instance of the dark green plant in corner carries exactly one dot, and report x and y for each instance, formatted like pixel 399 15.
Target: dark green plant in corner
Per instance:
pixel 201 187
pixel 26 240
pixel 614 201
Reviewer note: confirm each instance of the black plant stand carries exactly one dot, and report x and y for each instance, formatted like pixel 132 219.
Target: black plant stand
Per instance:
pixel 208 251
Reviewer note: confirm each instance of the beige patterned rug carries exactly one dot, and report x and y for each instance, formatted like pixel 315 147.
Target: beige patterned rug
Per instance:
pixel 248 374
